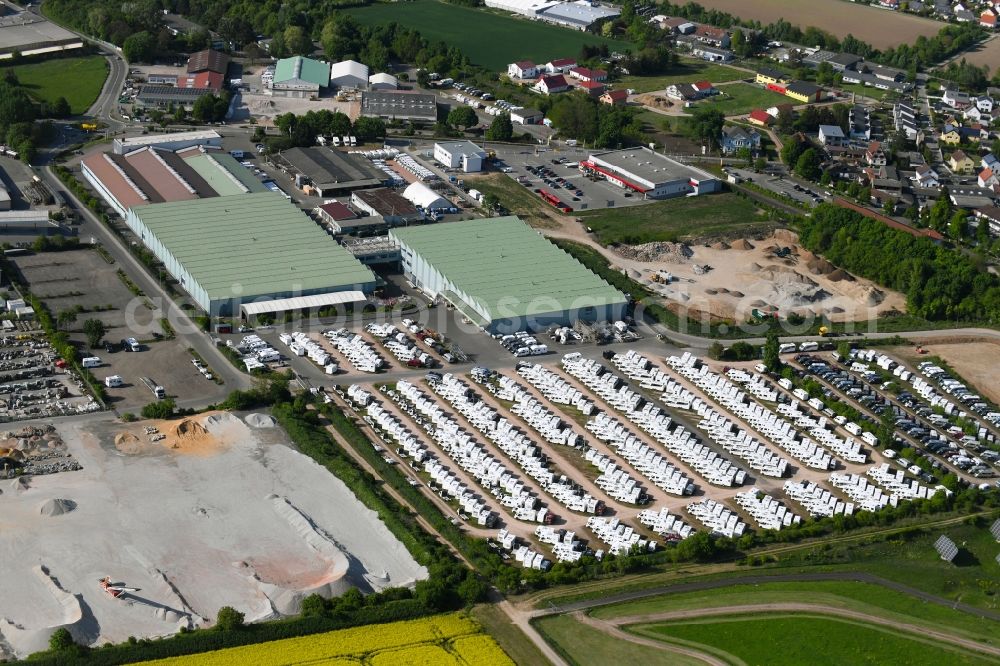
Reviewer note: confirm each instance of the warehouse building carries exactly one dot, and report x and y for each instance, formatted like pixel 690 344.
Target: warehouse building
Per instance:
pixel 173 141
pixel 300 77
pixel 398 105
pixel 465 154
pixel 208 60
pixel 325 171
pixel 529 8
pixel 388 205
pixel 382 81
pixel 349 74
pixel 579 15
pixel 501 274
pixel 161 97
pixel 151 175
pixel 651 174
pixel 28 34
pixel 5 201
pixel 27 222
pixel 232 251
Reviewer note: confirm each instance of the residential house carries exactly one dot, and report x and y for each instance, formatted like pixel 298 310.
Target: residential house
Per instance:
pixel 525 69
pixel 989 215
pixel 959 162
pixel 988 19
pixel 551 84
pixel 990 161
pixel 831 135
pixel 964 16
pixel 560 65
pixel 768 76
pixel 924 176
pixel 677 25
pixel 888 4
pixel 984 103
pixel 735 138
pixel 712 36
pixel 760 117
pixel 615 97
pixel 956 99
pixel 704 88
pixel 586 74
pixel 860 123
pixel 683 92
pixel 951 135
pixel 874 155
pixel 592 88
pixel 975 114
pixel 988 179
pixel 777 109
pixel 526 116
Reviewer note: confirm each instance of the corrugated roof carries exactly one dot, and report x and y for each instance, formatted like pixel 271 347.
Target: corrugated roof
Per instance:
pixel 507 268
pixel 254 244
pixel 224 174
pixel 208 60
pixel 303 69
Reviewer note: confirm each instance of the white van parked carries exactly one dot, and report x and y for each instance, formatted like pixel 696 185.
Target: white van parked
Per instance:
pixel 114 381
pixel 90 362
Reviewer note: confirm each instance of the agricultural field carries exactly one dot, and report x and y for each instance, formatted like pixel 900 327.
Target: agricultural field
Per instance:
pixel 444 640
pixel 683 218
pixel 739 98
pixel 489 39
pixel 778 640
pixel 878 27
pixel 985 53
pixel 79 80
pixel 687 71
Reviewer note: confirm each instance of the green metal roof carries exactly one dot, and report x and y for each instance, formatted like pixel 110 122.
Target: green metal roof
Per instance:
pixel 303 69
pixel 507 267
pixel 224 174
pixel 259 242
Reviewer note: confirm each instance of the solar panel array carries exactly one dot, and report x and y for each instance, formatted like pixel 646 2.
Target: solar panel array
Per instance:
pixel 946 548
pixel 995 530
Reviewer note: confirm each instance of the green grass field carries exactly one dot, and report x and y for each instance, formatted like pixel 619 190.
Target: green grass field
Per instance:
pixel 683 218
pixel 862 597
pixel 776 640
pixel 687 71
pixel 584 646
pixel 489 39
pixel 738 98
pixel 519 200
pixel 79 80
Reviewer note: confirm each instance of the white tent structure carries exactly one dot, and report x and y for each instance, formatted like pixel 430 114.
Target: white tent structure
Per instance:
pixel 424 197
pixel 349 74
pixel 382 81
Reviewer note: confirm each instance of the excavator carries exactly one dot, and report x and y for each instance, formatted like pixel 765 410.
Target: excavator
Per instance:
pixel 116 591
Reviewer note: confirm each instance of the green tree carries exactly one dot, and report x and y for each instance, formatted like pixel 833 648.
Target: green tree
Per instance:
pixel 139 47
pixel 368 129
pixel 715 350
pixel 706 126
pixel 94 330
pixel 297 41
pixel 760 164
pixel 500 129
pixel 313 606
pixel 808 164
pixel 957 225
pixel 772 358
pixel 462 117
pixel 65 319
pixel 473 589
pixel 61 108
pixel 887 428
pixel 61 640
pixel 161 409
pixel 203 109
pixel 228 619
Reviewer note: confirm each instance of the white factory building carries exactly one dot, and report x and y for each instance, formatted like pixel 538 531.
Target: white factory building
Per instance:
pixel 464 154
pixel 171 141
pixel 425 198
pixel 349 74
pixel 653 175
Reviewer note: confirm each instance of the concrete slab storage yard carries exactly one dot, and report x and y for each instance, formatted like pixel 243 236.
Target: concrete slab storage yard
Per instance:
pixel 502 275
pixel 228 250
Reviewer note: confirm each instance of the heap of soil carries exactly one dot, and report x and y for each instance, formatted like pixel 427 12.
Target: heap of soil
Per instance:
pixel 743 244
pixel 737 294
pixel 820 266
pixel 840 274
pixel 128 443
pixel 57 507
pixel 721 245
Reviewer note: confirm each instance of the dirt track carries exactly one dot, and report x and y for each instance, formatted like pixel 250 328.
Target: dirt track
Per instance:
pixel 612 626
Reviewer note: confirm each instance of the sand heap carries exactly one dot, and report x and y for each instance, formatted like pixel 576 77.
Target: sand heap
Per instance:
pixel 260 421
pixel 673 253
pixel 56 507
pixel 128 443
pixel 742 244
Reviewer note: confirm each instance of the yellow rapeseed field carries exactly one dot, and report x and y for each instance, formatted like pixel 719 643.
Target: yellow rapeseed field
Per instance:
pixel 441 640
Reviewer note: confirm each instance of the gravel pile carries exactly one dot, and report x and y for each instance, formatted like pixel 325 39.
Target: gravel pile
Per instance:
pixel 657 251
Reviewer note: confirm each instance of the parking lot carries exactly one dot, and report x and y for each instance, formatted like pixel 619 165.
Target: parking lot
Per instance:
pixel 595 194
pixel 811 194
pixel 83 282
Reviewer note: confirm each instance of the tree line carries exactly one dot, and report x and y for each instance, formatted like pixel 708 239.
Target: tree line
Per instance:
pixel 19 113
pixel 940 284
